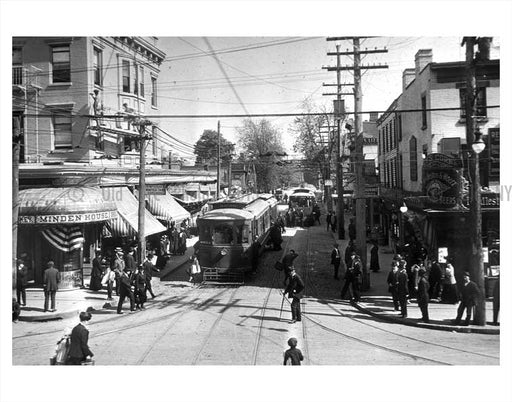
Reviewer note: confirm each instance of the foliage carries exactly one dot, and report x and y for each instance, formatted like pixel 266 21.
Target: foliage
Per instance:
pixel 262 147
pixel 314 139
pixel 206 148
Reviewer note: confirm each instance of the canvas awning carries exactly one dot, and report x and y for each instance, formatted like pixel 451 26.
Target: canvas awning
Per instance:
pixel 64 205
pixel 128 208
pixel 166 208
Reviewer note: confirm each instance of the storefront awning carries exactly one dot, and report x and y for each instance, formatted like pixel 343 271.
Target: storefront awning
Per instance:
pixel 64 205
pixel 128 207
pixel 186 199
pixel 166 208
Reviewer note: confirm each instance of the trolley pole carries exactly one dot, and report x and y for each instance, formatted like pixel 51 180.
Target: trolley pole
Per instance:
pixel 16 137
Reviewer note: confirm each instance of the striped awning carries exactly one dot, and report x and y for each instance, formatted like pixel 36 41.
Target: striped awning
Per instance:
pixel 166 208
pixel 64 205
pixel 65 238
pixel 127 225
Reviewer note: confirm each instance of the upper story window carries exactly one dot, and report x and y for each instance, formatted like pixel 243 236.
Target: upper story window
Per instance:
pixel 17 62
pixel 61 64
pixel 126 76
pixel 141 81
pixel 98 66
pixel 61 130
pixel 413 158
pixel 423 112
pixel 17 59
pixel 399 127
pixel 481 102
pixel 153 92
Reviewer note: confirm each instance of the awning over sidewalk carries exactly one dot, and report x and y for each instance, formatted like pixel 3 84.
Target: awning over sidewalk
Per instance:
pixel 166 208
pixel 64 205
pixel 128 207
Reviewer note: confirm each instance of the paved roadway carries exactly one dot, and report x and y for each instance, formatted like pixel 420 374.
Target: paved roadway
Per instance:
pixel 212 325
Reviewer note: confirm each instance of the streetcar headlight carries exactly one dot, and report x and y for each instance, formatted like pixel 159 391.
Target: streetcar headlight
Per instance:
pixel 223 251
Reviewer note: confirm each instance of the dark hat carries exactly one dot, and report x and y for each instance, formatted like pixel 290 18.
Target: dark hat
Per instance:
pixel 466 273
pixel 85 316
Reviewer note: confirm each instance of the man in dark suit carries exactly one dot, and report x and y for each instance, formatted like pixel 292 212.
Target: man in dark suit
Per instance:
pixel 51 279
pixel 125 290
pixel 79 349
pixel 402 287
pixel 470 298
pixel 131 263
pixel 21 283
pixel 148 269
pixel 294 290
pixel 288 265
pixel 422 296
pixel 336 259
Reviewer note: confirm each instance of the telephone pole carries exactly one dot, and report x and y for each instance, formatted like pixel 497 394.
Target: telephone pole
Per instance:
pixel 218 159
pixel 476 259
pixel 358 158
pixel 16 138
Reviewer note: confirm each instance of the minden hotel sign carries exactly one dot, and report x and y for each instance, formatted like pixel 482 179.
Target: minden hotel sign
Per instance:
pixel 67 218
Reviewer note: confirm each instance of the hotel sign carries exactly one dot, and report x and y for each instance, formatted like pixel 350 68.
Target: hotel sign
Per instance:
pixel 441 181
pixel 67 218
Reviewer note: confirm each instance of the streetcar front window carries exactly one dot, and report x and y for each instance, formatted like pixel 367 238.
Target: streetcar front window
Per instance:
pixel 222 234
pixel 205 235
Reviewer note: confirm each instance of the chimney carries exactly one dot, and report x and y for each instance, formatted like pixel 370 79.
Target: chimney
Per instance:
pixel 374 116
pixel 422 58
pixel 407 77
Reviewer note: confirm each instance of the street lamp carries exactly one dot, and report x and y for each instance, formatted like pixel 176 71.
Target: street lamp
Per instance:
pixel 478 145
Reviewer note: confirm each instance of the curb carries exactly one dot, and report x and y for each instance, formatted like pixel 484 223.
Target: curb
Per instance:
pixel 440 327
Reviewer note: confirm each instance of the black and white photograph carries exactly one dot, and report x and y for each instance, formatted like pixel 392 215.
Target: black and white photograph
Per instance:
pixel 199 202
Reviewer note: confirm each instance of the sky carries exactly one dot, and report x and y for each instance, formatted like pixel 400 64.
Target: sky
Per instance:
pixel 295 72
pixel 264 74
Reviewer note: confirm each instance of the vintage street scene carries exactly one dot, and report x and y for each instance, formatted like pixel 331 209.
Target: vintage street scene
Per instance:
pixel 225 201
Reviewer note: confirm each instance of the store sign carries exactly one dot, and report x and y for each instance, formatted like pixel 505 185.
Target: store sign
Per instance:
pixel 490 200
pixel 155 189
pixel 67 218
pixel 371 191
pixel 441 180
pixel 494 154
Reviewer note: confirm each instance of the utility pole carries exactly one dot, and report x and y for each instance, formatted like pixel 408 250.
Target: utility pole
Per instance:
pixel 218 159
pixel 16 137
pixel 476 258
pixel 359 142
pixel 339 167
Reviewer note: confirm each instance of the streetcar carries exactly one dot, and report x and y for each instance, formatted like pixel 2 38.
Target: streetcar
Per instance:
pixel 233 232
pixel 304 199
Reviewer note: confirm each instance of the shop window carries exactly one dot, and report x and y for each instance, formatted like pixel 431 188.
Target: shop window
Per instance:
pixel 61 64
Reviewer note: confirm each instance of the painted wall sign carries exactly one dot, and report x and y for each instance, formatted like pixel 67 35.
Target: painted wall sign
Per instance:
pixel 441 181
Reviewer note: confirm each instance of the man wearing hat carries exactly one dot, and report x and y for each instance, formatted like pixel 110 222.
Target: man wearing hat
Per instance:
pixel 349 276
pixel 294 290
pixel 96 272
pixel 51 279
pixel 422 296
pixel 118 267
pixel 336 259
pixel 402 287
pixel 470 298
pixel 131 263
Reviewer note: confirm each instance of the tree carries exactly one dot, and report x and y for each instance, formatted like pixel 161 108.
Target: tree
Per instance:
pixel 263 149
pixel 206 148
pixel 314 139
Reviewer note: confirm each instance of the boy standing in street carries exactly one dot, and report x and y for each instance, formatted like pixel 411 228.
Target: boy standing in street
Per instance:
pixel 293 354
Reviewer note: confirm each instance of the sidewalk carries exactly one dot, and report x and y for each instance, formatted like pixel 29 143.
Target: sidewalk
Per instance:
pixel 377 300
pixel 71 302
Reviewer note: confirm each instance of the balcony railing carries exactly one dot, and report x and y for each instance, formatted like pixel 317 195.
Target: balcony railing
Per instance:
pixel 19 76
